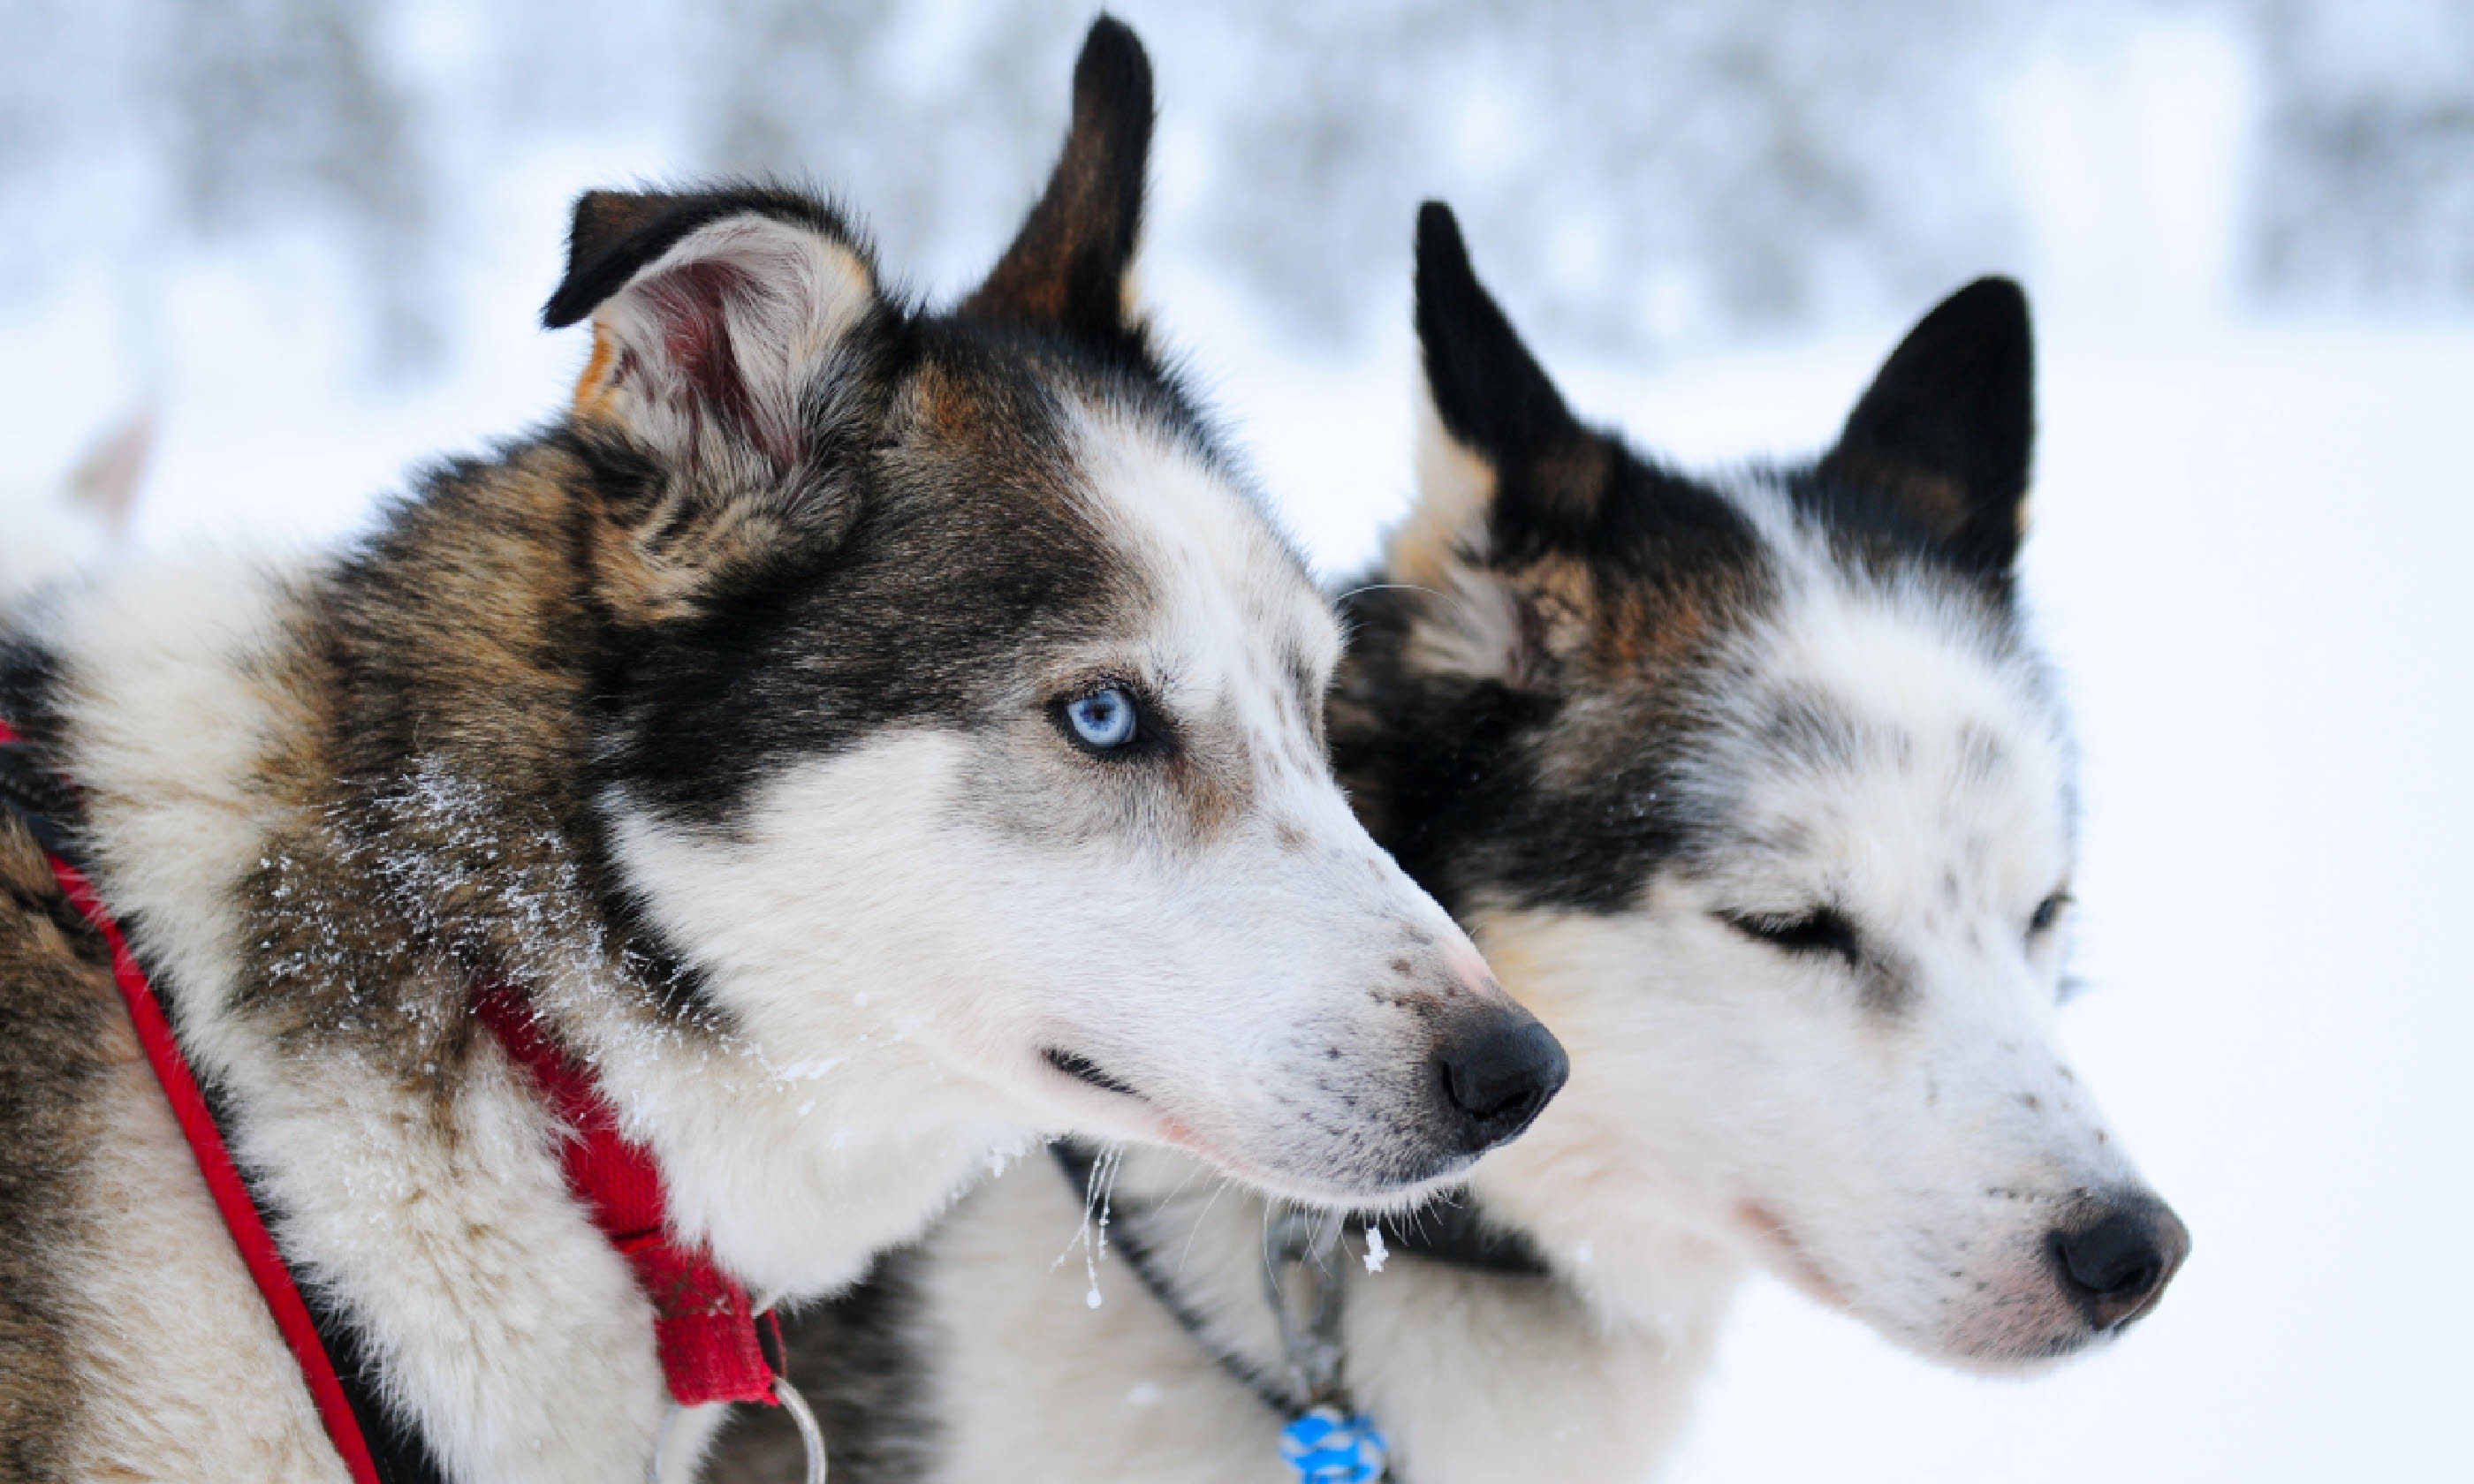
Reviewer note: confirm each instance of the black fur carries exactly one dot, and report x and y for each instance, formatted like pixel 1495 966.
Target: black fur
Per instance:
pixel 30 679
pixel 1491 393
pixel 1625 580
pixel 614 234
pixel 1944 435
pixel 899 607
pixel 865 1363
pixel 1561 486
pixel 912 614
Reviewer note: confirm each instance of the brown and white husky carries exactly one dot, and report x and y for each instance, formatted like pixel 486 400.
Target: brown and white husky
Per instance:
pixel 869 738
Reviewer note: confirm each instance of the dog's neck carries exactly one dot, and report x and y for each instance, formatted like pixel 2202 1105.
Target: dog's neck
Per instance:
pixel 1631 1267
pixel 331 802
pixel 1597 1360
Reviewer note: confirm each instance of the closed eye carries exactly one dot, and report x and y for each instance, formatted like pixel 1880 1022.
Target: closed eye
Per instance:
pixel 2048 912
pixel 1823 930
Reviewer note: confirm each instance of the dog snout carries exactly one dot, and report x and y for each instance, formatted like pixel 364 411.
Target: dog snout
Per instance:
pixel 1498 1069
pixel 2117 1258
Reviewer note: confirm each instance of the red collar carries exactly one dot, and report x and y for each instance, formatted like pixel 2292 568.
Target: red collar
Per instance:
pixel 713 1346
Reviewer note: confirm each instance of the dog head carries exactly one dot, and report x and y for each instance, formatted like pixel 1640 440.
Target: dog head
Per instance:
pixel 971 716
pixel 1756 790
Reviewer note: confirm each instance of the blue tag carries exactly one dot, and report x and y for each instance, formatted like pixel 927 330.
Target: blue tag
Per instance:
pixel 1326 1447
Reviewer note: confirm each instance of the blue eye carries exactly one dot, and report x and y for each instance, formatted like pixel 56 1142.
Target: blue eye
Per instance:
pixel 1104 719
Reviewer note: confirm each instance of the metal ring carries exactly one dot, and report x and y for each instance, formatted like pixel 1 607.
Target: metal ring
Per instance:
pixel 670 1414
pixel 811 1436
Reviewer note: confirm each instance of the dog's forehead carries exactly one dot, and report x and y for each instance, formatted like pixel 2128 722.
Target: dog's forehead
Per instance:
pixel 1234 602
pixel 1885 727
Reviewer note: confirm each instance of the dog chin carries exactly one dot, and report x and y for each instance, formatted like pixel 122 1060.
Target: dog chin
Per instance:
pixel 1350 1188
pixel 2020 1336
pixel 1395 1196
pixel 1103 1106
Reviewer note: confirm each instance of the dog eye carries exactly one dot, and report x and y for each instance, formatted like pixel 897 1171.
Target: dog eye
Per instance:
pixel 1104 720
pixel 1822 931
pixel 2048 912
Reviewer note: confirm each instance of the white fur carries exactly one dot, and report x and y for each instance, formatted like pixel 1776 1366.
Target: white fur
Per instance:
pixel 186 1374
pixel 1475 1379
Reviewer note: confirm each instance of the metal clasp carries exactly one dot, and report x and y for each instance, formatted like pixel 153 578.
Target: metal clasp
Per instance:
pixel 1303 1286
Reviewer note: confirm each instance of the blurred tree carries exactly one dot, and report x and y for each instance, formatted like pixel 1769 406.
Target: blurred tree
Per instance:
pixel 1639 174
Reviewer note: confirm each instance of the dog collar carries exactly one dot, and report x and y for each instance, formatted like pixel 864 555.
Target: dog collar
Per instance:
pixel 714 1345
pixel 1325 1438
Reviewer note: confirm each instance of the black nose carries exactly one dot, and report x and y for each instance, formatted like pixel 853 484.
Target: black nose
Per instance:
pixel 2117 1260
pixel 1498 1073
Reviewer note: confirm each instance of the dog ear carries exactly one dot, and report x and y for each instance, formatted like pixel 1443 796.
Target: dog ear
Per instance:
pixel 710 315
pixel 1499 455
pixel 1523 512
pixel 1497 448
pixel 1068 268
pixel 1945 430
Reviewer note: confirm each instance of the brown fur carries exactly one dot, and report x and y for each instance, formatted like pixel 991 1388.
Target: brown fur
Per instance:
pixel 55 1053
pixel 1067 266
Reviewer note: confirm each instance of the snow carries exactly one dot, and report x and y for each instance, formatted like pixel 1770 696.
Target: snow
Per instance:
pixel 2249 559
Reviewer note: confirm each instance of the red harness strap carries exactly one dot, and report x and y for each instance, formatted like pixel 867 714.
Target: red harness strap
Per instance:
pixel 714 1347
pixel 231 1196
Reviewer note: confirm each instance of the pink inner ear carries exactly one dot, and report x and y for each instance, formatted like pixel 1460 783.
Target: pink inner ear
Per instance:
pixel 691 302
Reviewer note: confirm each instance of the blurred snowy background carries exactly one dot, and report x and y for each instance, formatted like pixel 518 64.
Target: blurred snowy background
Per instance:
pixel 312 239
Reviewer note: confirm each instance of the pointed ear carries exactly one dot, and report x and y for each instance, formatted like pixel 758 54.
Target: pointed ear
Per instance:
pixel 710 315
pixel 1945 430
pixel 1068 266
pixel 1498 451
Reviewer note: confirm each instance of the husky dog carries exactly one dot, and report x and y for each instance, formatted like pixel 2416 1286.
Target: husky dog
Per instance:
pixel 1756 790
pixel 867 738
